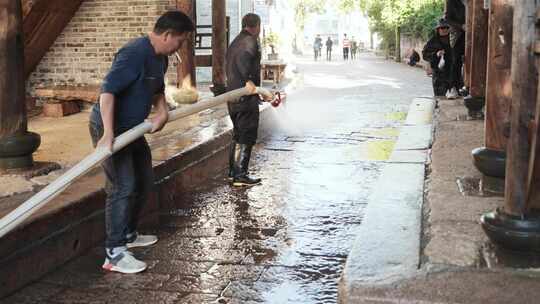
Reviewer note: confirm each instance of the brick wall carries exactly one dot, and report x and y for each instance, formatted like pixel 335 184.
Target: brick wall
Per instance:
pixel 83 53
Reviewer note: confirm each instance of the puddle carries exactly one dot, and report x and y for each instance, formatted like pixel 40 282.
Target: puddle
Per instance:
pixel 298 224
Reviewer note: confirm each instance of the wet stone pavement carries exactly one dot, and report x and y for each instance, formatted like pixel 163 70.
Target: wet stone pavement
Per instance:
pixel 286 240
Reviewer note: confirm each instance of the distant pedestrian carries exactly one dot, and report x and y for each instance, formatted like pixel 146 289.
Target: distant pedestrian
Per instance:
pixel 354 48
pixel 414 57
pixel 346 47
pixel 317 46
pixel 445 57
pixel 329 44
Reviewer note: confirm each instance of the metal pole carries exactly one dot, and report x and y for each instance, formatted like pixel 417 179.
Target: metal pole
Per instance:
pixel 29 207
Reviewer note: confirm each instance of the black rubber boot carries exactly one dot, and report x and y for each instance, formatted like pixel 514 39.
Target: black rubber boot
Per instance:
pixel 232 158
pixel 241 177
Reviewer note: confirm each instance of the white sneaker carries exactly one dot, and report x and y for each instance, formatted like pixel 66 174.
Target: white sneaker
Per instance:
pixel 142 241
pixel 124 262
pixel 452 94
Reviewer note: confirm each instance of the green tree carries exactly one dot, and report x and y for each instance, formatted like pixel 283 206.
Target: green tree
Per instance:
pixel 388 18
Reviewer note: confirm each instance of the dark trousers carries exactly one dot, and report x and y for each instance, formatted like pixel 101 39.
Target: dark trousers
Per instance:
pixel 129 180
pixel 245 125
pixel 328 54
pixel 440 85
pixel 446 80
pixel 345 53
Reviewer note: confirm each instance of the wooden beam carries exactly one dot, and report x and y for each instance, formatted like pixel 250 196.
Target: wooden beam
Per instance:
pixel 468 43
pixel 44 22
pixel 186 70
pixel 478 64
pixel 12 85
pixel 499 84
pixel 219 42
pixel 524 89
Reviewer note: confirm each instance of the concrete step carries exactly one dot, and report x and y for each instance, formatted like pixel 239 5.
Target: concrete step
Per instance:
pixel 387 245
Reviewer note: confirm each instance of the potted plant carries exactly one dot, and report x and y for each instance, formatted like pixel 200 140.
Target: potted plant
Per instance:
pixel 271 40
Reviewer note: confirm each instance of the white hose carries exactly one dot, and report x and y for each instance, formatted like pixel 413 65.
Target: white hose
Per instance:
pixel 33 204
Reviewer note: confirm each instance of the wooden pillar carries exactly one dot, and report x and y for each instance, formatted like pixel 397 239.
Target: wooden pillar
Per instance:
pixel 16 144
pixel 524 87
pixel 12 111
pixel 186 70
pixel 478 64
pixel 468 43
pixel 515 226
pixel 499 85
pixel 533 174
pixel 491 159
pixel 219 45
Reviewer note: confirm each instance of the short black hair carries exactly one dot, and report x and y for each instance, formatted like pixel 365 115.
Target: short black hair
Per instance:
pixel 174 21
pixel 250 20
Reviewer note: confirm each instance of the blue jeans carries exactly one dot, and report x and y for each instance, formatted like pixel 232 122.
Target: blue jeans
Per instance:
pixel 129 180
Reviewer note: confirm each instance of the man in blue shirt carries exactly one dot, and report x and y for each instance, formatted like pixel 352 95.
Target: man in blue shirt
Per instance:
pixel 134 83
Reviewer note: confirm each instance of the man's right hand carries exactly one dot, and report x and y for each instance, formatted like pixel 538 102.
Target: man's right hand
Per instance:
pixel 440 53
pixel 106 142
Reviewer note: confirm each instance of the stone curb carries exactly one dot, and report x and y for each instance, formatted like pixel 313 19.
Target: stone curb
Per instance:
pixel 387 245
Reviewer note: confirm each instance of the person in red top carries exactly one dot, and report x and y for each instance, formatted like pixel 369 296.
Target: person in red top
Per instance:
pixel 346 47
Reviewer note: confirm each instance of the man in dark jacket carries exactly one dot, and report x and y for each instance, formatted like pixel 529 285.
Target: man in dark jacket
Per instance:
pixel 243 65
pixel 329 44
pixel 447 76
pixel 414 57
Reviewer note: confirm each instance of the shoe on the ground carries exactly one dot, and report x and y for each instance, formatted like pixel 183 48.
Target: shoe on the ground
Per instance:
pixel 452 94
pixel 124 262
pixel 142 241
pixel 241 181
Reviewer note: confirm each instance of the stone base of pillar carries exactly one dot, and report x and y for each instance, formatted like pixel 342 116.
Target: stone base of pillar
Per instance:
pixel 16 150
pixel 475 106
pixel 489 162
pixel 512 232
